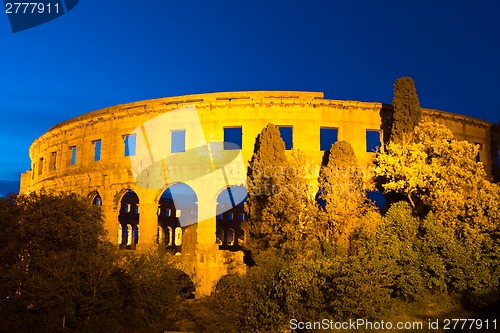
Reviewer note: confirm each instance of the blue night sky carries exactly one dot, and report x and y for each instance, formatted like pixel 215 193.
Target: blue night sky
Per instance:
pixel 103 53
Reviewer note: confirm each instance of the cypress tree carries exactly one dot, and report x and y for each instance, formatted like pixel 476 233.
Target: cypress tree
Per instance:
pixel 264 171
pixel 346 203
pixel 407 111
pixel 279 206
pixel 267 162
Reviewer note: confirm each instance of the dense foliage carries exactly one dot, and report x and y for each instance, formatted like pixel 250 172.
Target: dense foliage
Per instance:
pixel 441 238
pixel 58 270
pixel 453 218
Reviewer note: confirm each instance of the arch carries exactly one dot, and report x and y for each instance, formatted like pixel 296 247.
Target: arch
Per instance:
pixel 230 217
pixel 241 237
pixel 232 194
pixel 120 234
pixel 130 235
pixel 178 236
pixel 219 235
pixel 184 281
pixel 224 283
pixel 177 209
pixel 122 192
pixel 169 233
pixel 159 234
pixel 230 237
pixel 128 219
pixel 136 232
pixel 95 198
pixel 176 188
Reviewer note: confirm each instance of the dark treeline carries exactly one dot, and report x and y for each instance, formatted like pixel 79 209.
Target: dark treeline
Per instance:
pixel 60 273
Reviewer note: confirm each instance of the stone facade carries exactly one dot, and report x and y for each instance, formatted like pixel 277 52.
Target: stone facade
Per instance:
pixel 89 155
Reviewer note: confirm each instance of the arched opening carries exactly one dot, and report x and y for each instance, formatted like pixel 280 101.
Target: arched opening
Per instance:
pixel 129 220
pixel 219 236
pixel 177 210
pixel 96 198
pixel 230 234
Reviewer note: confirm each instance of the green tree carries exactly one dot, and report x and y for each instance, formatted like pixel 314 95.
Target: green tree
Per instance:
pixel 290 212
pixel 153 289
pixel 407 111
pixel 438 173
pixel 59 263
pixel 398 245
pixel 346 203
pixel 427 256
pixel 280 205
pixel 456 209
pixel 58 267
pixel 264 172
pixel 276 290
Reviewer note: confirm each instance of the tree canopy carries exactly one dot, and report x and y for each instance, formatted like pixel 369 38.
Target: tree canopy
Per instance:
pixel 438 173
pixel 59 270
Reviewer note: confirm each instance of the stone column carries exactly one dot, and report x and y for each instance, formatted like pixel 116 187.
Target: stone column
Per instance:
pixel 148 223
pixel 111 223
pixel 207 268
pixel 206 228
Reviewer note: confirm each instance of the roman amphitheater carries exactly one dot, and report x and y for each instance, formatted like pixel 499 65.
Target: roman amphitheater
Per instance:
pixel 173 170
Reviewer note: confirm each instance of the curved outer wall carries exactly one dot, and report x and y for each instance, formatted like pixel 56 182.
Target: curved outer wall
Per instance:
pixel 111 176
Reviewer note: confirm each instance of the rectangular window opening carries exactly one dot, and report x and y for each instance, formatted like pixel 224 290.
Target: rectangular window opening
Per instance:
pixel 372 140
pixel 73 155
pixel 286 133
pixel 130 144
pixel 40 166
pixel 232 138
pixel 178 141
pixel 53 161
pixel 97 150
pixel 327 137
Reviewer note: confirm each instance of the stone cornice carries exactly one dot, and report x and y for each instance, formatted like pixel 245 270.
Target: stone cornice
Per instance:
pixel 226 99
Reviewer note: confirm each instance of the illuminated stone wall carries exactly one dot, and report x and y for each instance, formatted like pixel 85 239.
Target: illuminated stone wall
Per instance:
pixel 56 167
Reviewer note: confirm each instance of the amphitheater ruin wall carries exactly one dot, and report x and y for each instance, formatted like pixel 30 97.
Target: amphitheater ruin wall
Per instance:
pixel 119 157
